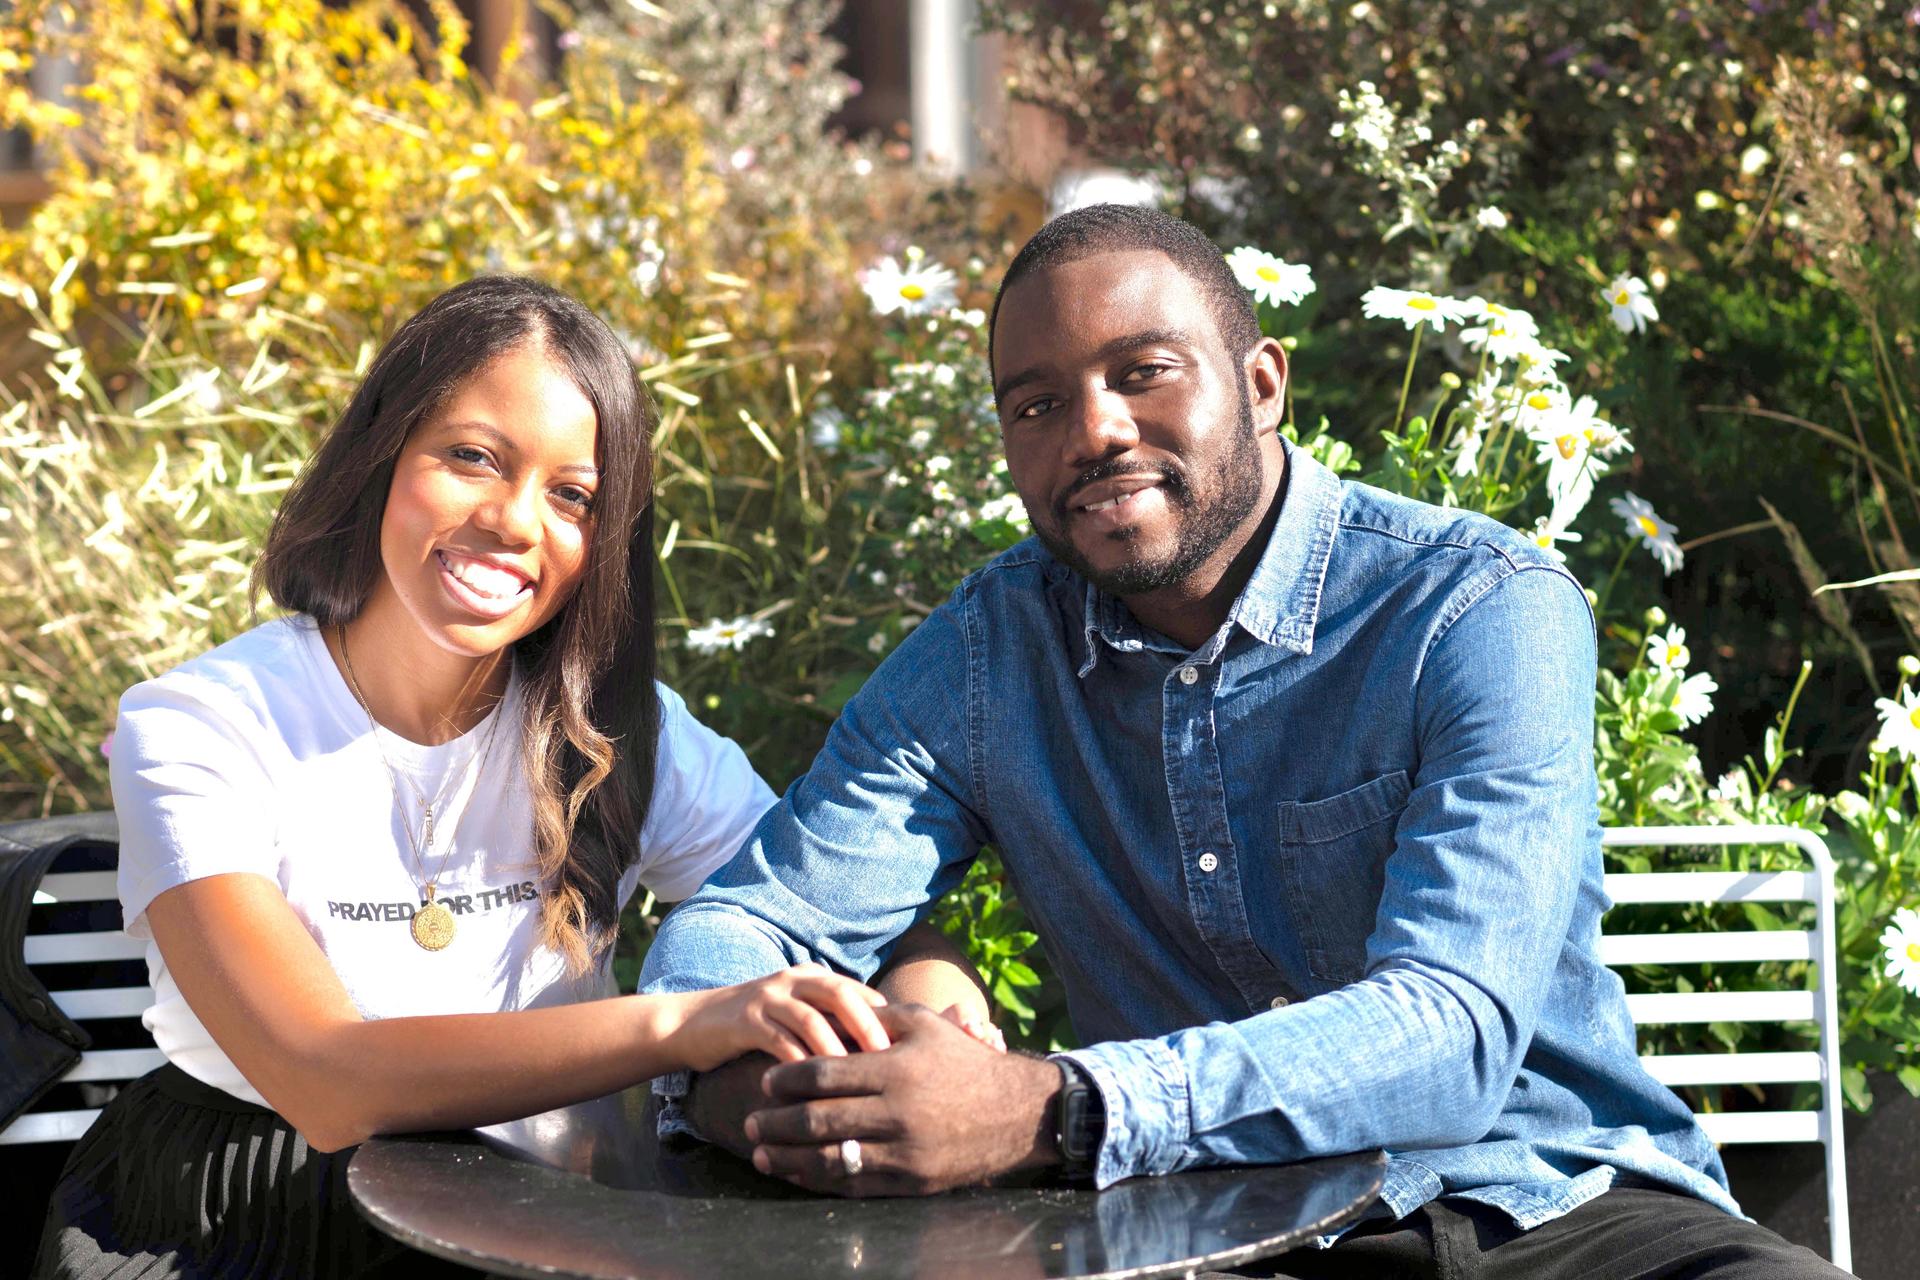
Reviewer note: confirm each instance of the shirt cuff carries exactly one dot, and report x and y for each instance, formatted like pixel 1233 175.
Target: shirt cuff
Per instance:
pixel 671 1092
pixel 1143 1088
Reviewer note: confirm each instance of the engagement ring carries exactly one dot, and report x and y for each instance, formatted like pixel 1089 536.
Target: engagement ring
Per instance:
pixel 850 1157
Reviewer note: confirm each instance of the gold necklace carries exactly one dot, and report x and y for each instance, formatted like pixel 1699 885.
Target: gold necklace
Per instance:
pixel 432 925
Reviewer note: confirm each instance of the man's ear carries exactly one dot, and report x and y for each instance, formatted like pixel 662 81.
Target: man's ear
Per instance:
pixel 1267 385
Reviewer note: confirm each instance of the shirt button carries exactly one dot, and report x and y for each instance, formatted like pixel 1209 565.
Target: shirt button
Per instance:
pixel 1207 861
pixel 1188 675
pixel 1278 1002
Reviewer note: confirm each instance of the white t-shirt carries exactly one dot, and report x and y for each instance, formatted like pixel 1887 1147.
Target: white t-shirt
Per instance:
pixel 256 757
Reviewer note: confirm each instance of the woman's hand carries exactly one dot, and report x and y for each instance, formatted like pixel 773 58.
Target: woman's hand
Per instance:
pixel 980 1028
pixel 784 1014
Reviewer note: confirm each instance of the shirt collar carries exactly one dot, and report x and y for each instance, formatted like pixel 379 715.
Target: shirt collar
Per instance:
pixel 1281 602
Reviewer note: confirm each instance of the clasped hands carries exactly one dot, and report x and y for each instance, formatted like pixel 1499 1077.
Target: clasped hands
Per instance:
pixel 936 1109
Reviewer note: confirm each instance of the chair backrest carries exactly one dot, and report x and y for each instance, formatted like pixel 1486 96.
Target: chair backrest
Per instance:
pixel 1819 1006
pixel 96 974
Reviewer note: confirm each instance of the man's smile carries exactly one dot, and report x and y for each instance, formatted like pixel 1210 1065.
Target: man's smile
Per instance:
pixel 1104 495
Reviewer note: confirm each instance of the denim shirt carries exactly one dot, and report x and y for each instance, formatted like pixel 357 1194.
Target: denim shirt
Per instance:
pixel 1329 882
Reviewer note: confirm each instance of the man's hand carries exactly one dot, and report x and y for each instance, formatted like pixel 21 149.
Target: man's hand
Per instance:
pixel 937 1110
pixel 719 1101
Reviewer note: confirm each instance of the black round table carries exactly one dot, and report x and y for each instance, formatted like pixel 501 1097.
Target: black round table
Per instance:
pixel 589 1192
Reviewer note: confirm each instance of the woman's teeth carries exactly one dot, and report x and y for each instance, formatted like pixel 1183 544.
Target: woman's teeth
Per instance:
pixel 483 579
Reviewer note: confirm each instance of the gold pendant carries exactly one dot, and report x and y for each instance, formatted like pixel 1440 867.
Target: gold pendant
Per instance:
pixel 432 924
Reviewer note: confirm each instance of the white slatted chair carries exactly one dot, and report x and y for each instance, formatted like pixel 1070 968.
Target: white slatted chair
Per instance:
pixel 1820 1006
pixel 99 1066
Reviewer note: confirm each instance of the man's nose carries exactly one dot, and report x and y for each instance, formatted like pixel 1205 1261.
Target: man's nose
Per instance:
pixel 1102 425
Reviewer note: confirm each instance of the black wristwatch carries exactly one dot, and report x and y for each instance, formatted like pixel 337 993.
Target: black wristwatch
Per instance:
pixel 1079 1119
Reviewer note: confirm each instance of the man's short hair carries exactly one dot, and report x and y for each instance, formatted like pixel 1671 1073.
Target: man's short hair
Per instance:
pixel 1120 228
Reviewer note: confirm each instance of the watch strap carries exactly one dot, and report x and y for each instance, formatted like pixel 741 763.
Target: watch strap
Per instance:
pixel 1080 1118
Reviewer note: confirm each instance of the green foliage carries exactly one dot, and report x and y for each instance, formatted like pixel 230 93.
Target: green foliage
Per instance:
pixel 982 917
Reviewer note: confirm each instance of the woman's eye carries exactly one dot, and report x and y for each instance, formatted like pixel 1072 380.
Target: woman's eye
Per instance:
pixel 578 500
pixel 470 454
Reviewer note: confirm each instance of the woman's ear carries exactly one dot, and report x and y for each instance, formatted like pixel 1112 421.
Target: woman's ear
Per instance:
pixel 1267 385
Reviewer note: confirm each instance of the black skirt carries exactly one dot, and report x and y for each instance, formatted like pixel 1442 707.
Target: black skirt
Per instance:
pixel 178 1178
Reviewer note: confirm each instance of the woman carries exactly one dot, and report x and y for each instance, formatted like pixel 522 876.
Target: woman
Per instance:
pixel 379 847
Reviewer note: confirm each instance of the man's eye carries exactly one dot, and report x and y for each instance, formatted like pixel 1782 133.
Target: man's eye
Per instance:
pixel 1034 408
pixel 1146 372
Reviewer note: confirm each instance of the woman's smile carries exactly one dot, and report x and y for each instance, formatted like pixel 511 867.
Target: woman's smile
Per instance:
pixel 481 584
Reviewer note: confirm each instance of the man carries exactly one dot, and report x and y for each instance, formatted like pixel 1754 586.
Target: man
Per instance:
pixel 1295 779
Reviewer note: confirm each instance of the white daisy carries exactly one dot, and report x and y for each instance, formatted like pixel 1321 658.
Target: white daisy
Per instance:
pixel 919 288
pixel 1545 534
pixel 1561 427
pixel 1605 439
pixel 1693 700
pixel 1734 788
pixel 1486 399
pixel 720 634
pixel 1490 219
pixel 1644 522
pixel 1413 307
pixel 825 426
pixel 1669 652
pixel 1899 724
pixel 1673 793
pixel 1631 307
pixel 1851 806
pixel 1538 412
pixel 1533 365
pixel 1505 332
pixel 1270 280
pixel 1902 942
pixel 1467 460
pixel 1006 507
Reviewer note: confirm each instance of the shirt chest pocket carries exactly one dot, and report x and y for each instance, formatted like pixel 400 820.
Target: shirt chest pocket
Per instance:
pixel 1334 852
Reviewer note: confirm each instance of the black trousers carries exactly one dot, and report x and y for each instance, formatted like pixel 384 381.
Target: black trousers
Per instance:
pixel 179 1180
pixel 1628 1233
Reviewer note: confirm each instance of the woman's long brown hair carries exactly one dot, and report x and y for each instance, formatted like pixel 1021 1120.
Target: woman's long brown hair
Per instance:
pixel 592 712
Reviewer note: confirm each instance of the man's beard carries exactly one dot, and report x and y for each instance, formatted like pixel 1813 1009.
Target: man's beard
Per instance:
pixel 1199 531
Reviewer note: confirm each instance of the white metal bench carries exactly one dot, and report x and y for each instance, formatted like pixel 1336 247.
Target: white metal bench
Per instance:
pixel 1819 1006
pixel 101 1067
